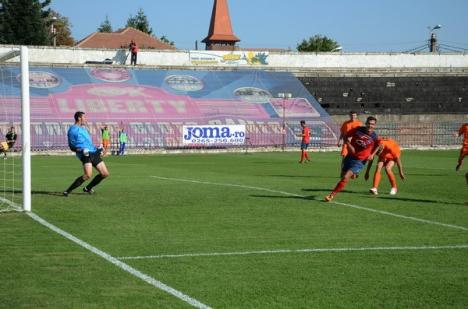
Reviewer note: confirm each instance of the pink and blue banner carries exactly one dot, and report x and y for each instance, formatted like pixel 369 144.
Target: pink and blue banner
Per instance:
pixel 154 105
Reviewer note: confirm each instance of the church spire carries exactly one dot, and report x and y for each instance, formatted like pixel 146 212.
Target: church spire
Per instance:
pixel 220 35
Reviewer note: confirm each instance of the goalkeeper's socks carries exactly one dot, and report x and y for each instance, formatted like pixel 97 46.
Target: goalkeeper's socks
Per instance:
pixel 96 180
pixel 78 181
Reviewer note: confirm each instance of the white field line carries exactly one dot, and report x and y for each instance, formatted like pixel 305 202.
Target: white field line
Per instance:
pixel 150 280
pixel 309 250
pixel 13 205
pixel 387 213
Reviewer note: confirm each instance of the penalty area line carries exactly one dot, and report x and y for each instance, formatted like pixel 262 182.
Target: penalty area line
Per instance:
pixel 387 213
pixel 308 250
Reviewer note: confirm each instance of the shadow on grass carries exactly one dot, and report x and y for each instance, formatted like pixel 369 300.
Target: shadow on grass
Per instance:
pixel 307 198
pixel 428 174
pixel 329 189
pixel 300 176
pixel 54 193
pixel 414 200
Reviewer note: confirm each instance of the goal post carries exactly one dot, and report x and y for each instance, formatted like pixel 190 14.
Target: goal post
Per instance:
pixel 15 126
pixel 26 127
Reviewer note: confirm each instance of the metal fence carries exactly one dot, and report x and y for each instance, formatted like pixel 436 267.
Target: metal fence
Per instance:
pixel 150 136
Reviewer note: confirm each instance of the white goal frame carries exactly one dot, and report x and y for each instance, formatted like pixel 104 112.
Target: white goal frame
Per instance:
pixel 25 128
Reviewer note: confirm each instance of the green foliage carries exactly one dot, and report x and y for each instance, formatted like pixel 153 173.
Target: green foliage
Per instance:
pixel 63 31
pixel 166 40
pixel 105 26
pixel 317 43
pixel 23 22
pixel 140 22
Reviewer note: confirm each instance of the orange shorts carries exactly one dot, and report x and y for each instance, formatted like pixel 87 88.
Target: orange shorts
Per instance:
pixel 105 143
pixel 386 158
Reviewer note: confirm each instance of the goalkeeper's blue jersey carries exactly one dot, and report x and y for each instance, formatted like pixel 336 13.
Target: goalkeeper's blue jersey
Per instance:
pixel 79 138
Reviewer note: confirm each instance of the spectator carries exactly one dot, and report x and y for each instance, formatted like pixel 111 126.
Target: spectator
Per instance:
pixel 105 139
pixel 133 47
pixel 122 141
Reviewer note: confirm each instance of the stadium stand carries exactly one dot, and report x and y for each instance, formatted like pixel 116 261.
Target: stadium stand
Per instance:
pixel 390 95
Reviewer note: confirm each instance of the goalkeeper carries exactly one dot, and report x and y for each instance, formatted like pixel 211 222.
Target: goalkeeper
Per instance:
pixel 80 142
pixel 3 149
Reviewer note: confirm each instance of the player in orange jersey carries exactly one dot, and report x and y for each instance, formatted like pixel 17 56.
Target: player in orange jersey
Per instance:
pixel 389 153
pixel 305 135
pixel 346 127
pixel 464 150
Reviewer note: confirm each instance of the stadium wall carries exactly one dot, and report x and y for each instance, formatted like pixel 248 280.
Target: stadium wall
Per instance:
pixel 289 61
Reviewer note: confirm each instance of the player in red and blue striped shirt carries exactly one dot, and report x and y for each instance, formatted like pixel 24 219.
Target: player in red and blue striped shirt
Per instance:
pixel 362 145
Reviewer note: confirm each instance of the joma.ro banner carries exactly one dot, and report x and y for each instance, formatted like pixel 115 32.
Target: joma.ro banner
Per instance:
pixel 214 135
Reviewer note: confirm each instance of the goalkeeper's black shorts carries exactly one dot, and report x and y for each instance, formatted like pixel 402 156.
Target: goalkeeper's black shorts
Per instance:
pixel 94 158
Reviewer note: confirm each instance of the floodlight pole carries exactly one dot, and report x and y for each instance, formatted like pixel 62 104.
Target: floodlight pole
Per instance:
pixel 53 31
pixel 284 96
pixel 433 38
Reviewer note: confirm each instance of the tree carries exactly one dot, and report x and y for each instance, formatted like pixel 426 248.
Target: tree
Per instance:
pixel 140 22
pixel 23 22
pixel 317 43
pixel 62 29
pixel 105 26
pixel 166 40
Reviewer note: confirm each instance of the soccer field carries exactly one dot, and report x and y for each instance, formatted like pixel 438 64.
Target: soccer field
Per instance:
pixel 238 231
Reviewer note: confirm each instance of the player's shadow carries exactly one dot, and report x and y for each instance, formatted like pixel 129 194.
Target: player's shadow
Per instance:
pixel 306 198
pixel 52 193
pixel 299 176
pixel 327 190
pixel 415 200
pixel 422 174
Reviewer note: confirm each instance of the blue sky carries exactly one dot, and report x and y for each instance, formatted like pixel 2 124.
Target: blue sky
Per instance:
pixel 357 25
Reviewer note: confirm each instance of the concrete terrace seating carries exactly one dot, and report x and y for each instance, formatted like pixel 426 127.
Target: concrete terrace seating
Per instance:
pixel 393 95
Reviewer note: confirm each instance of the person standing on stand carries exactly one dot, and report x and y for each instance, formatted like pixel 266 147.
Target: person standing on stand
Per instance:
pixel 133 47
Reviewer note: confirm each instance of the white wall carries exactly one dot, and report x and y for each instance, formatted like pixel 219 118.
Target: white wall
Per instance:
pixel 291 60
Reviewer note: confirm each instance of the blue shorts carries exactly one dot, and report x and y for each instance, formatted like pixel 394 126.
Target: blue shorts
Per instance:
pixel 353 164
pixel 304 146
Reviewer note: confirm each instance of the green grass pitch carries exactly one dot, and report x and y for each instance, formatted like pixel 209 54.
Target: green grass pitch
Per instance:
pixel 240 231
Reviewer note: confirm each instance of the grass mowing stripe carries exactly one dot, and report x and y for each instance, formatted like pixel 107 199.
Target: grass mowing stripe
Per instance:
pixel 120 264
pixel 309 250
pixel 228 185
pixel 387 213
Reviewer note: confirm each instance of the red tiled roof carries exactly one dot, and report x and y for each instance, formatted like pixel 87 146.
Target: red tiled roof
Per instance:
pixel 220 25
pixel 121 39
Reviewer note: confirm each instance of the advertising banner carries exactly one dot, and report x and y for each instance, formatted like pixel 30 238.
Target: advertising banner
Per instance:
pixel 212 135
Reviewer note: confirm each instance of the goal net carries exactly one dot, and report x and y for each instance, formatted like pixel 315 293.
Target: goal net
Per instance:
pixel 15 165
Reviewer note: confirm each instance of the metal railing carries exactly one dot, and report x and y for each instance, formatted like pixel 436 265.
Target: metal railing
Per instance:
pixel 154 136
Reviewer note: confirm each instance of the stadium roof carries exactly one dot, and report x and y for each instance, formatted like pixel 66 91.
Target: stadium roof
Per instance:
pixel 121 39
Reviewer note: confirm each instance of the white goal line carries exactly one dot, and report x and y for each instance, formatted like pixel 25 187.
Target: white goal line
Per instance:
pixel 308 250
pixel 387 213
